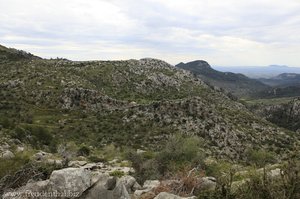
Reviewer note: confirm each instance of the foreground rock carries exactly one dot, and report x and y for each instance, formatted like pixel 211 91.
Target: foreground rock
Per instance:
pixel 77 182
pixel 70 180
pixel 109 187
pixel 86 183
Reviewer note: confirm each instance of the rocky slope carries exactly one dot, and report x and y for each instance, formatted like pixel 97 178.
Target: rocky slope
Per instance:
pixel 237 84
pixel 83 110
pixel 286 114
pixel 137 103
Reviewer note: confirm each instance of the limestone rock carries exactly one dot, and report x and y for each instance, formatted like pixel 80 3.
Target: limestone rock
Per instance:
pixel 77 163
pixel 208 183
pixel 165 195
pixel 73 180
pixel 8 155
pixel 151 184
pixel 109 188
pixel 41 156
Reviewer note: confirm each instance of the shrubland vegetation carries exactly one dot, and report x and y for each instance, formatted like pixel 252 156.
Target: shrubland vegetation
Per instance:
pixel 102 111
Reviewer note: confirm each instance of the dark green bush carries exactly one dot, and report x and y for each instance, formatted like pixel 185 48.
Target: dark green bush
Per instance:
pixel 84 151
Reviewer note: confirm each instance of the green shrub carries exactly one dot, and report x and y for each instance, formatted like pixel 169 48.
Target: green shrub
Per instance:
pixel 260 157
pixel 39 136
pixel 94 158
pixel 10 166
pixel 178 152
pixel 20 134
pixel 84 151
pixel 145 169
pixel 6 123
pixel 117 173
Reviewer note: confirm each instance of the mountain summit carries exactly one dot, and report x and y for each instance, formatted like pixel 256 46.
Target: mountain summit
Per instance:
pixel 238 84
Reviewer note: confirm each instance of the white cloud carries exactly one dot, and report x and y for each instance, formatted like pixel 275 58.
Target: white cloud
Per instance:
pixel 231 32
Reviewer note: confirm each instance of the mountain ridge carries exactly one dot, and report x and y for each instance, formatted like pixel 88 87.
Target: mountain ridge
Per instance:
pixel 237 84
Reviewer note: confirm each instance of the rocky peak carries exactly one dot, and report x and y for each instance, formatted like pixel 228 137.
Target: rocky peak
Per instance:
pixel 197 65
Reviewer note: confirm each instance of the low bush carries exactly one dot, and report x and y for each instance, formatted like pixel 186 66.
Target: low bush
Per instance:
pixel 84 151
pixel 117 173
pixel 179 152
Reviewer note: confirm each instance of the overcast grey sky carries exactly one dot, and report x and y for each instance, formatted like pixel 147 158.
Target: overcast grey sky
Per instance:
pixel 223 32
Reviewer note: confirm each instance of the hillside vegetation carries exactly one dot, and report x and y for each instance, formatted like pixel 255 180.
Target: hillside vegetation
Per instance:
pixel 97 111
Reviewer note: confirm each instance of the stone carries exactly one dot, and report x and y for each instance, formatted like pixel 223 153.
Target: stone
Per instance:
pixel 98 189
pixel 130 183
pixel 208 183
pixel 275 173
pixel 57 163
pixel 114 161
pixel 148 186
pixel 151 184
pixel 72 180
pixel 165 195
pixel 41 156
pixel 109 187
pixel 93 166
pixel 4 146
pixel 77 163
pixel 140 151
pixel 110 183
pixel 120 192
pixel 7 155
pixel 20 149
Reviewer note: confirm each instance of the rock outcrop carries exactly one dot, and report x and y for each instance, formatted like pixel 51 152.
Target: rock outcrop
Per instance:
pixel 286 114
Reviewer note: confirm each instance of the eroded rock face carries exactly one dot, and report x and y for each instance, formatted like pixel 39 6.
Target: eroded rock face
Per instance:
pixel 286 114
pixel 74 98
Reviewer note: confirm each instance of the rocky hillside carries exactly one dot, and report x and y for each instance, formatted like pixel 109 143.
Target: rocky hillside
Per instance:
pixel 54 112
pixel 285 114
pixel 11 54
pixel 238 84
pixel 137 103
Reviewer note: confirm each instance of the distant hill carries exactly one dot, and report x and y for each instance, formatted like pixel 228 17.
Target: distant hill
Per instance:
pixel 238 84
pixel 283 85
pixel 284 79
pixel 259 71
pixel 11 54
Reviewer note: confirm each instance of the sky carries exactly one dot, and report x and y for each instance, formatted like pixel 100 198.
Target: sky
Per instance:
pixel 222 32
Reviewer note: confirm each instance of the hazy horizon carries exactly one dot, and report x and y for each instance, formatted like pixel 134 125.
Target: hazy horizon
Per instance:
pixel 231 33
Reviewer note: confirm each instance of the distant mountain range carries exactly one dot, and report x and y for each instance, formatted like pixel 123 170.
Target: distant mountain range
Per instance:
pixel 283 85
pixel 237 84
pixel 259 71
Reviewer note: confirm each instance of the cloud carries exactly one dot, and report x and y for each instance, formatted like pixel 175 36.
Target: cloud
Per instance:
pixel 231 32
